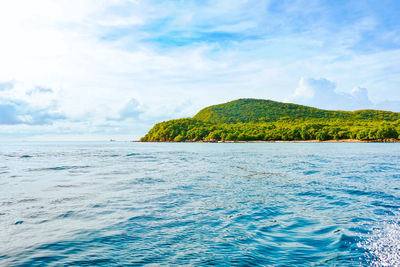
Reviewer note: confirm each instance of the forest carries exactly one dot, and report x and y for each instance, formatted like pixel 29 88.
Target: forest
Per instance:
pixel 266 120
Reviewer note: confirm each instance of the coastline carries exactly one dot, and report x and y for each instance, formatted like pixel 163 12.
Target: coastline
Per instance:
pixel 389 140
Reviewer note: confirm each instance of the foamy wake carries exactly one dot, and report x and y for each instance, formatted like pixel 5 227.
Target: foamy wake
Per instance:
pixel 383 246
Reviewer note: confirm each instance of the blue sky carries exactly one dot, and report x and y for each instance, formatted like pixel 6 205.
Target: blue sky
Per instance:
pixel 95 70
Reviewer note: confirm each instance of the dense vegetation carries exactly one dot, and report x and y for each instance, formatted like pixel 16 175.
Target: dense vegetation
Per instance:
pixel 257 110
pixel 252 119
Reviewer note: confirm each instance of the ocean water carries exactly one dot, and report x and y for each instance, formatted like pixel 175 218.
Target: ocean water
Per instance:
pixel 275 204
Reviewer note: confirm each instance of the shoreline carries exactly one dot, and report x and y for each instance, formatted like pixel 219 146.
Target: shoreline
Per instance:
pixel 281 141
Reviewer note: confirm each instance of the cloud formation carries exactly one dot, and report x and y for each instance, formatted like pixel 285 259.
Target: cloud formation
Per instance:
pixel 86 59
pixel 322 93
pixel 130 110
pixel 38 90
pixel 6 86
pixel 19 112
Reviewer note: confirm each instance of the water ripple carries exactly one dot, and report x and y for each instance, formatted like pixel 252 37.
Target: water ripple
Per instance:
pixel 112 204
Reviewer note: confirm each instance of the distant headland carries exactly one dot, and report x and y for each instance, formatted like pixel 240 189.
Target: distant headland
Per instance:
pixel 256 120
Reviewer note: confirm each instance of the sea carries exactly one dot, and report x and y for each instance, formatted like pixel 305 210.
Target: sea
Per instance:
pixel 197 204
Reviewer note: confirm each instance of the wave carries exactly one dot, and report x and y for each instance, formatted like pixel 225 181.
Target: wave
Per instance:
pixel 382 248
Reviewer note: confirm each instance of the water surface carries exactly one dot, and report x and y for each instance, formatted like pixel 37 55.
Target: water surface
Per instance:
pixel 273 204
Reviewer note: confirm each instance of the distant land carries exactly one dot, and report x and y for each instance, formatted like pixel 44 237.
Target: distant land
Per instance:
pixel 266 120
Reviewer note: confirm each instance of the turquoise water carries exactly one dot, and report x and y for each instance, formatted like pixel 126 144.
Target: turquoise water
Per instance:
pixel 276 204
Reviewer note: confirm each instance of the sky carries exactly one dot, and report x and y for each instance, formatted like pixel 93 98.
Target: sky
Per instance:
pixel 110 69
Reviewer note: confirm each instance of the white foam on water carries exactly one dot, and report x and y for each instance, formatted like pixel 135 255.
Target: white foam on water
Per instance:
pixel 383 246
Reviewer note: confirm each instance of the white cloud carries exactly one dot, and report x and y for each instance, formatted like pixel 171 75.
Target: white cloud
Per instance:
pixel 39 90
pixel 6 86
pixel 19 112
pixel 131 111
pixel 321 93
pixel 96 55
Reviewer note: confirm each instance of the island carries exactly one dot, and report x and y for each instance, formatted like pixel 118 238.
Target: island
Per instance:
pixel 255 120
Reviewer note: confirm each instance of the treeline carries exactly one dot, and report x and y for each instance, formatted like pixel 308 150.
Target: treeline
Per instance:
pixel 259 110
pixel 285 129
pixel 267 120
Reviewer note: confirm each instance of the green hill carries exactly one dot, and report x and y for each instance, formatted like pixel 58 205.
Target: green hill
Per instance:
pixel 258 110
pixel 257 119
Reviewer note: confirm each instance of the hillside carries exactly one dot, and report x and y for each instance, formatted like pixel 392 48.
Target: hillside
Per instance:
pixel 266 120
pixel 258 110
